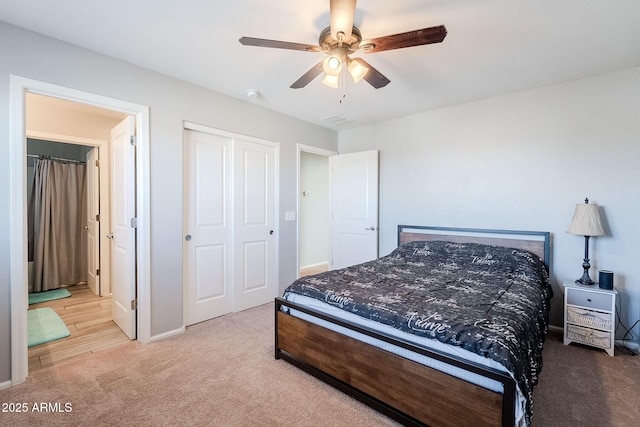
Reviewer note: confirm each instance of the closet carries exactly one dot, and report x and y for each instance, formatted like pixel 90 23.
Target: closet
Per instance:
pixel 230 207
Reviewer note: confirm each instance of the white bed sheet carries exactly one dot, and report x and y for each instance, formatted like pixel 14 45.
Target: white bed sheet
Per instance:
pixel 416 357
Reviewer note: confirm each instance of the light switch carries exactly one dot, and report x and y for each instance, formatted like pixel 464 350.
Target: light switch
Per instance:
pixel 290 215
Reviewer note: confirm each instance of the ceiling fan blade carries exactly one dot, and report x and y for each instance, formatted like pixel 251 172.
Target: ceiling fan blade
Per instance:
pixel 402 40
pixel 251 41
pixel 308 76
pixel 374 77
pixel 342 14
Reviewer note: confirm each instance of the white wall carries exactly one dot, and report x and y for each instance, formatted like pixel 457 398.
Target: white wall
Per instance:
pixel 522 161
pixel 171 102
pixel 54 116
pixel 314 209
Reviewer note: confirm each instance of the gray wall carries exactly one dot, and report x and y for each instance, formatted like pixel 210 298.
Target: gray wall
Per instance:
pixel 171 102
pixel 523 161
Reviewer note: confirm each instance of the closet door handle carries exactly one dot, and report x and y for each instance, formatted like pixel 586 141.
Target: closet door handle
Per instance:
pixel 110 236
pixel 372 228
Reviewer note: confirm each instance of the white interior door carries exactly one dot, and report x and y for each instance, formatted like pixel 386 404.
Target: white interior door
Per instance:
pixel 207 245
pixel 354 208
pixel 254 219
pixel 93 225
pixel 123 240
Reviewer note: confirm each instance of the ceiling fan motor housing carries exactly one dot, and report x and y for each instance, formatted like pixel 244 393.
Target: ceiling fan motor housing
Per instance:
pixel 330 44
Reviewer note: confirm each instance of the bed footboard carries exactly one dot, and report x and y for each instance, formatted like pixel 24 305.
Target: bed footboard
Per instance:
pixel 406 391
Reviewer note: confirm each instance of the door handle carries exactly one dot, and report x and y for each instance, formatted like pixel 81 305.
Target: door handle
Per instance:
pixel 187 237
pixel 110 236
pixel 372 228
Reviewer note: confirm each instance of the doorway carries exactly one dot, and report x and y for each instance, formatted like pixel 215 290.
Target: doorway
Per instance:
pixel 314 223
pixel 352 208
pixel 19 88
pixel 66 247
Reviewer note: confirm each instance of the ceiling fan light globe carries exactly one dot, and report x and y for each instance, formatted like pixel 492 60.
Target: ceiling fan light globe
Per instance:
pixel 332 65
pixel 357 70
pixel 331 81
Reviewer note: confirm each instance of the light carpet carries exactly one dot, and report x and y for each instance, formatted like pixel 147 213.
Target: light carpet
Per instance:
pixel 223 373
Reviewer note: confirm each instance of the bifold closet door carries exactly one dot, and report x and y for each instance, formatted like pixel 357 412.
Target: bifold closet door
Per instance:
pixel 207 240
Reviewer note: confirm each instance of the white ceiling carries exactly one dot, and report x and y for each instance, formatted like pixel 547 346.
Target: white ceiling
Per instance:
pixel 493 47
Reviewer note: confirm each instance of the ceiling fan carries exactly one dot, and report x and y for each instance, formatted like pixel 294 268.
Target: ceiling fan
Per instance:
pixel 341 39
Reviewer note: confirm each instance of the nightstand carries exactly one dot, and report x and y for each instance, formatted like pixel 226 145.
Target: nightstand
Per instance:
pixel 589 315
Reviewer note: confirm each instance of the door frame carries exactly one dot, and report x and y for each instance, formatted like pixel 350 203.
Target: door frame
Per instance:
pixel 18 276
pixel 103 149
pixel 301 148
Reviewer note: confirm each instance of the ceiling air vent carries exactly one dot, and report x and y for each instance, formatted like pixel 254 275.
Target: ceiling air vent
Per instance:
pixel 336 120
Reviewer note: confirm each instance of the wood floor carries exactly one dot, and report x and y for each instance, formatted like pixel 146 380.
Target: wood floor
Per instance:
pixel 88 318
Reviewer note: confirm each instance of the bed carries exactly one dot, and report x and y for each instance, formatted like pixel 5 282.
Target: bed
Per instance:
pixel 445 366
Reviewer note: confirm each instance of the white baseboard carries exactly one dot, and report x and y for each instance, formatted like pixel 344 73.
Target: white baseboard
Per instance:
pixel 318 264
pixel 5 385
pixel 167 334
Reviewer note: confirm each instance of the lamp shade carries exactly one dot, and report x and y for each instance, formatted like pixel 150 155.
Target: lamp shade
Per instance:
pixel 586 221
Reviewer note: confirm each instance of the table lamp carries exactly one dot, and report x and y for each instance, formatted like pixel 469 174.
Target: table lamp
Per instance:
pixel 586 222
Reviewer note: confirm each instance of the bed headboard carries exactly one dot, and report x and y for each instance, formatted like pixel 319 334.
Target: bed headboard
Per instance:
pixel 537 242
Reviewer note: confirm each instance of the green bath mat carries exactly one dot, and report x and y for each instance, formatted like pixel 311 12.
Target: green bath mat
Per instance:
pixel 45 325
pixel 48 295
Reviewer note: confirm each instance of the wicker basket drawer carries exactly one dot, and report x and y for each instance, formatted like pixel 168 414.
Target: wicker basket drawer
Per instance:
pixel 589 336
pixel 593 319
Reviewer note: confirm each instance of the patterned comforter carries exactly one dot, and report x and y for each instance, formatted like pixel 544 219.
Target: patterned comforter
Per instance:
pixel 490 300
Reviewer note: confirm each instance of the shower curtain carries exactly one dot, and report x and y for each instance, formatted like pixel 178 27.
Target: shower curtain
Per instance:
pixel 57 218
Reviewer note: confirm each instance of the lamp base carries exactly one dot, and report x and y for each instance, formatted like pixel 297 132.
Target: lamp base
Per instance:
pixel 585 279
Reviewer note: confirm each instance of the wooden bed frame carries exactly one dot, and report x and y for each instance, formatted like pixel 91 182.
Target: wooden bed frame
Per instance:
pixel 406 391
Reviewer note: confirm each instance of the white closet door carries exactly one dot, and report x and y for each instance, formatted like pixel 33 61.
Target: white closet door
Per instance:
pixel 207 245
pixel 254 217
